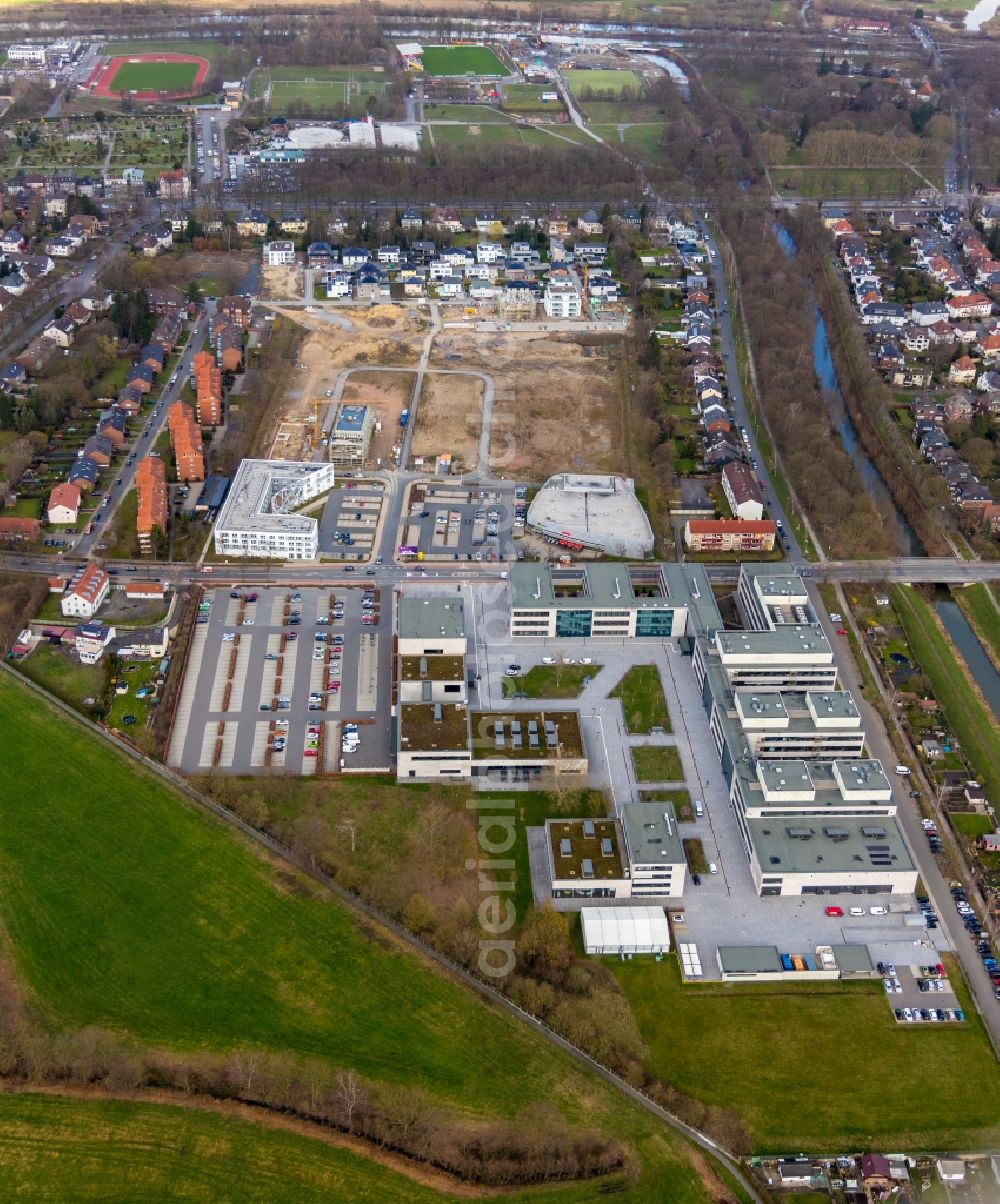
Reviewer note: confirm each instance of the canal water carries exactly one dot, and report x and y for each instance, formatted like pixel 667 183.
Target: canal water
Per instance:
pixel 906 538
pixel 971 651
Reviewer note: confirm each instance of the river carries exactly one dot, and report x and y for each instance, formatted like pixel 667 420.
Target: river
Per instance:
pixel 907 540
pixel 971 651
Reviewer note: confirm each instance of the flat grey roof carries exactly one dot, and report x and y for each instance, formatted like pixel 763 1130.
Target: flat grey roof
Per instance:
pixel 785 641
pixel 650 837
pixel 422 618
pixel 593 508
pixel 609 586
pixel 257 484
pixel 861 774
pixel 749 959
pixel 831 704
pixel 852 957
pixel 829 845
pixel 755 704
pixel 785 775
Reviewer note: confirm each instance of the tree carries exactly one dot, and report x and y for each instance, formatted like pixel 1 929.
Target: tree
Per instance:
pixel 348 1095
pixel 419 915
pixel 978 454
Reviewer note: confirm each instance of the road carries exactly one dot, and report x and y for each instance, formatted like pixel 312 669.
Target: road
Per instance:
pixel 145 440
pixel 737 400
pixel 909 816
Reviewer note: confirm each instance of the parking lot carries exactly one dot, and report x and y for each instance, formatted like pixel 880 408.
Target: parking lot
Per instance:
pixel 351 513
pixel 275 676
pixel 445 521
pixel 920 994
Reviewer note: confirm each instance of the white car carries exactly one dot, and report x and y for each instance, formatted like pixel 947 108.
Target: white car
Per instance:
pixel 228 636
pixel 878 911
pixel 855 911
pixel 548 660
pixel 713 868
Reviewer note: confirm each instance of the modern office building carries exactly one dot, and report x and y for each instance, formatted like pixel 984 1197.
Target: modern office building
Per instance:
pixel 258 519
pixel 774 725
pixel 610 601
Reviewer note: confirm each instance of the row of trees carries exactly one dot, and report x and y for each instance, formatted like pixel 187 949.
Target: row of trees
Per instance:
pixel 780 314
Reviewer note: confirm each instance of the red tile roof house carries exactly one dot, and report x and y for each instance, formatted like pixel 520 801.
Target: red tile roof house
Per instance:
pixel 86 593
pixel 64 503
pixel 17 529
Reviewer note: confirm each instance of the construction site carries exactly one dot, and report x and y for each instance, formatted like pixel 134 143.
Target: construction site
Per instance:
pixel 332 366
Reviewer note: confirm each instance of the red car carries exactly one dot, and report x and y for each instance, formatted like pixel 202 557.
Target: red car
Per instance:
pixel 841 631
pixel 311 752
pixel 834 911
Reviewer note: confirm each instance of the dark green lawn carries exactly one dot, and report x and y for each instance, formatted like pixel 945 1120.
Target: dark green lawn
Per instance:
pixel 127 908
pixel 657 763
pixel 644 704
pixel 550 681
pixel 818 1067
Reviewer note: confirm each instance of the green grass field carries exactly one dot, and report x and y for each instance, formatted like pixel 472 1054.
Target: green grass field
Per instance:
pixel 977 602
pixel 644 141
pixel 154 77
pixel 59 1148
pixel 138 913
pixel 644 704
pixel 321 87
pixel 971 722
pixel 550 681
pixel 527 98
pixel 492 132
pixel 462 60
pixel 612 81
pixel 657 763
pixel 58 671
pixel 971 824
pixel 779 1054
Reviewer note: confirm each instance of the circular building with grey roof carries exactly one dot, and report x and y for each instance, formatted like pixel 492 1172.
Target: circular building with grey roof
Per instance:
pixel 595 511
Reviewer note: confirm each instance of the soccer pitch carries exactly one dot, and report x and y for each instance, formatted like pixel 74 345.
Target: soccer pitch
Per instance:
pixel 462 60
pixel 603 81
pixel 154 77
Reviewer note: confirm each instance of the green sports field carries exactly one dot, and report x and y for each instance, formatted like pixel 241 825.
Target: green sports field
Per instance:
pixel 322 87
pixel 127 908
pixel 462 60
pixel 611 81
pixel 154 77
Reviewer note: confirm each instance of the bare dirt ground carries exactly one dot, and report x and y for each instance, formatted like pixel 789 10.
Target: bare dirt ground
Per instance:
pixel 449 418
pixel 387 393
pixel 278 283
pixel 225 270
pixel 557 407
pixel 384 335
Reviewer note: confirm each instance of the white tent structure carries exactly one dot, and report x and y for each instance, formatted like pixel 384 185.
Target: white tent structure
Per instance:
pixel 618 930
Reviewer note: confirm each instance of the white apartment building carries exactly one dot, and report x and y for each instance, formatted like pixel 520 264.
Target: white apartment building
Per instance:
pixel 86 593
pixel 257 518
pixel 23 53
pixel 279 254
pixel 562 301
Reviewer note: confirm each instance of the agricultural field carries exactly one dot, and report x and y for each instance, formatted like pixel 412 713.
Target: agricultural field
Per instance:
pixel 462 60
pixel 101 1149
pixel 142 915
pixel 775 1052
pixel 154 77
pixel 323 89
pixel 596 82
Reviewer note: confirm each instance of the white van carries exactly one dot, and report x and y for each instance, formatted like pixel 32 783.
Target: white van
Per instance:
pixel 903 771
pixel 699 808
